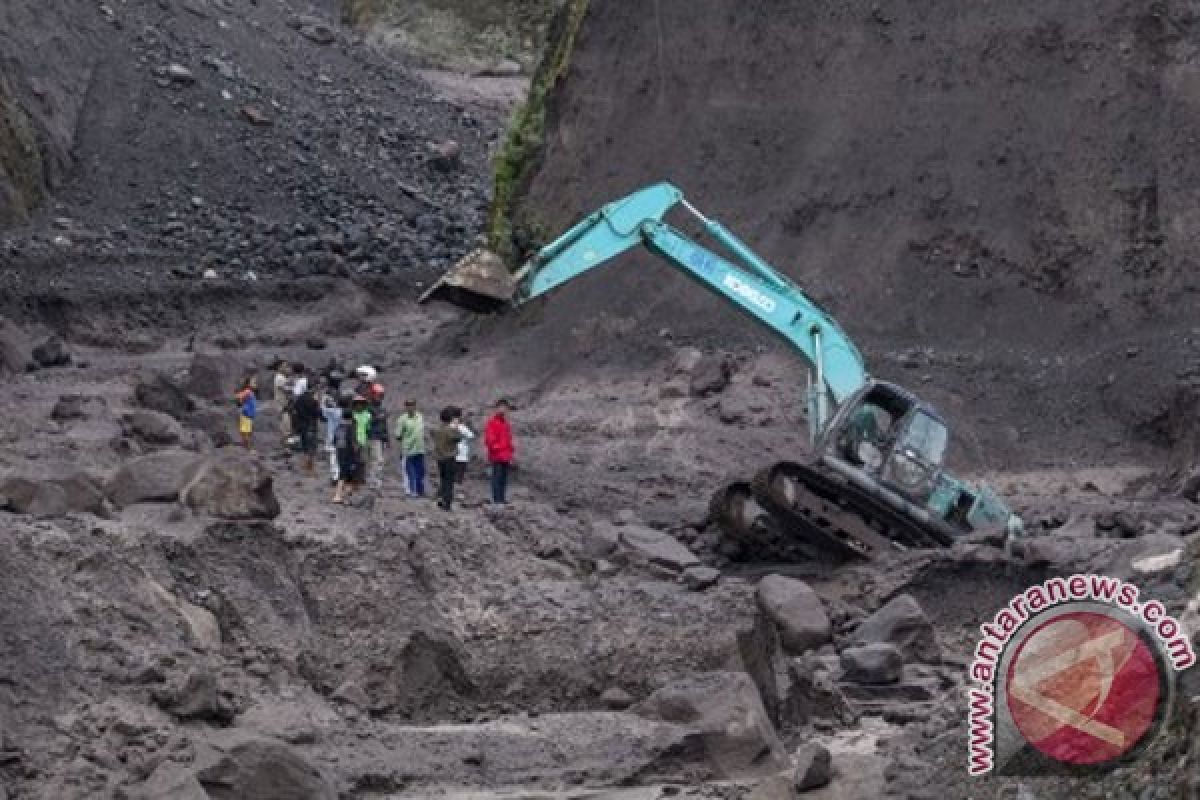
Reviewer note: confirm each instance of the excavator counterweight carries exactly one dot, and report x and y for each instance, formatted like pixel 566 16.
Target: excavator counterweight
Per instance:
pixel 873 479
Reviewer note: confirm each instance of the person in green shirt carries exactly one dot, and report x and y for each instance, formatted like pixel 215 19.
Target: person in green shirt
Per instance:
pixel 362 427
pixel 410 430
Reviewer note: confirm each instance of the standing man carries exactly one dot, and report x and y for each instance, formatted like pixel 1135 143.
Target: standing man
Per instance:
pixel 306 414
pixel 282 398
pixel 445 447
pixel 498 439
pixel 377 434
pixel 462 456
pixel 410 430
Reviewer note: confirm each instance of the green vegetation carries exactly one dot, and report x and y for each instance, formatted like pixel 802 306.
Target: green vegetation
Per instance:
pixel 21 175
pixel 507 236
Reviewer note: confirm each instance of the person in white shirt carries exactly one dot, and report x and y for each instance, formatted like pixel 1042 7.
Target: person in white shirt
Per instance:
pixel 462 454
pixel 281 398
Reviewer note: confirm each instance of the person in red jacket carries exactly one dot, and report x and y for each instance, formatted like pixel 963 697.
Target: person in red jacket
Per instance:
pixel 498 440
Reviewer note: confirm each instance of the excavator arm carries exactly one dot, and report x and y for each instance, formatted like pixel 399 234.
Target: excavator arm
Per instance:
pixel 743 279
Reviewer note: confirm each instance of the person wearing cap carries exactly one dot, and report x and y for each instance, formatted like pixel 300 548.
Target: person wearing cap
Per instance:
pixel 410 430
pixel 377 435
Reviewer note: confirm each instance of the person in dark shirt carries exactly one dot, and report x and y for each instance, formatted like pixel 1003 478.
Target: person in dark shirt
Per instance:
pixel 306 416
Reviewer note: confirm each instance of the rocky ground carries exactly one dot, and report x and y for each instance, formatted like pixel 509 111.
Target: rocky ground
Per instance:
pixel 180 619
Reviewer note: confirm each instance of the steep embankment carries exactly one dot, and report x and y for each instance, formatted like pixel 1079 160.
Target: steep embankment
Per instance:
pixel 1010 189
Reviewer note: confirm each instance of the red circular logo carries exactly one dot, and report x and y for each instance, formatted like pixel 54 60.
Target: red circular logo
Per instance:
pixel 1083 688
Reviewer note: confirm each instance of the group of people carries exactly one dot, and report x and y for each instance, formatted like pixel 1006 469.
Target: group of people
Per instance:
pixel 356 432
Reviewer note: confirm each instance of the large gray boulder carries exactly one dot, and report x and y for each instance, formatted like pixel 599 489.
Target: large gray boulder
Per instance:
pixel 37 498
pixel 160 393
pixel 873 664
pixel 16 353
pixel 156 478
pixel 657 548
pixel 902 623
pixel 171 781
pixel 728 720
pixel 216 376
pixel 232 484
pixel 264 769
pixel 796 611
pixel 152 427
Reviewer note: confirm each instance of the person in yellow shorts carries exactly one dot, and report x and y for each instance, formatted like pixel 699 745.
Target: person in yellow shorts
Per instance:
pixel 247 411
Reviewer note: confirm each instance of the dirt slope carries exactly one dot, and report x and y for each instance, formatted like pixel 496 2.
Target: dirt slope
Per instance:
pixel 1012 187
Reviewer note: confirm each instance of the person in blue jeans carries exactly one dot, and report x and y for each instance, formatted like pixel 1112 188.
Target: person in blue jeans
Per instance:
pixel 410 430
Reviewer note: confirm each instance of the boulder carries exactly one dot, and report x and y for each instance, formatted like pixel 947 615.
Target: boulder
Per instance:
pixel 152 427
pixel 1137 558
pixel 796 611
pixel 52 353
pixel 727 720
pixel 216 376
pixel 37 498
pixel 902 623
pixel 814 767
pixel 446 155
pixel 686 360
pixel 711 375
pixel 83 493
pixel 218 425
pixel 616 698
pixel 15 351
pixel 68 407
pixel 198 699
pixel 601 539
pixel 155 478
pixel 232 484
pixel 813 693
pixel 657 548
pixel 697 579
pixel 874 664
pixel 160 393
pixel 264 769
pixel 171 781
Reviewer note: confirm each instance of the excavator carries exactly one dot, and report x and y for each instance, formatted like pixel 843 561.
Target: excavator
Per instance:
pixel 873 479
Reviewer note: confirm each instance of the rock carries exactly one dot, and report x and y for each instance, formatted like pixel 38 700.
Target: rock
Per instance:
pixel 68 407
pixel 264 769
pixel 686 360
pixel 711 375
pixel 218 425
pixel 232 484
pixel 727 715
pixel 616 698
pixel 160 393
pixel 697 579
pixel 674 389
pixel 902 623
pixel 177 73
pixel 210 274
pixel 257 118
pixel 152 427
pixel 316 30
pixel 83 493
pixel 879 664
pixel 37 498
pixel 1152 553
pixel 198 698
pixel 216 376
pixel 796 611
pixel 1189 485
pixel 52 353
pixel 315 343
pixel 814 767
pixel 352 694
pixel 657 548
pixel 155 478
pixel 813 693
pixel 171 781
pixel 445 156
pixel 15 349
pixel 600 539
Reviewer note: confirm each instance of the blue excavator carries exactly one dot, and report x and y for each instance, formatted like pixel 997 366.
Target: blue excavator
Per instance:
pixel 873 479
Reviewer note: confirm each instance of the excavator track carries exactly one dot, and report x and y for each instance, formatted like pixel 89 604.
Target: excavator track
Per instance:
pixel 796 512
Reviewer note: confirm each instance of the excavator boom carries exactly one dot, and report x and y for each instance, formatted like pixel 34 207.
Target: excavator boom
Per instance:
pixel 862 487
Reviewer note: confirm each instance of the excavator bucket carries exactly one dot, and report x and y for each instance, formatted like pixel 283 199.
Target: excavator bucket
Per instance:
pixel 480 282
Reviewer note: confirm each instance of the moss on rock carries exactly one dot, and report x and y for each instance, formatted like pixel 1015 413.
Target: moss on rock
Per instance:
pixel 509 234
